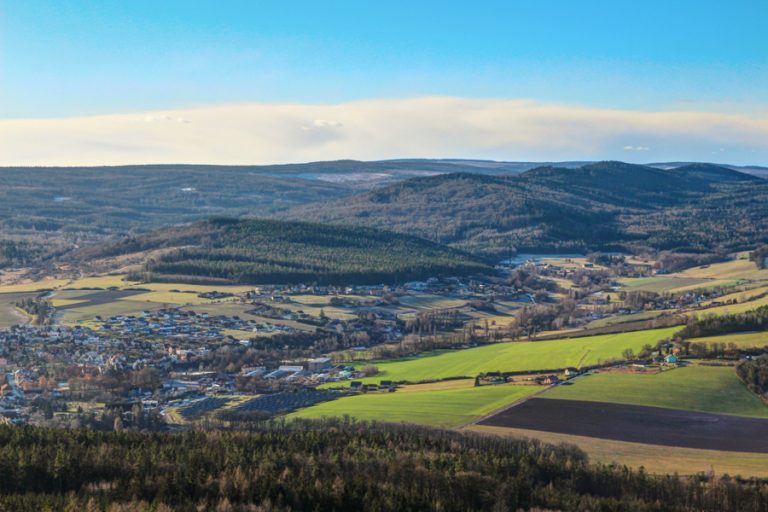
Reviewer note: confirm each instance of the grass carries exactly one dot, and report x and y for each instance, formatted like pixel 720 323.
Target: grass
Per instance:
pixel 46 284
pixel 740 296
pixel 739 269
pixel 661 284
pixel 741 340
pixel 435 407
pixel 654 458
pixel 518 356
pixel 620 319
pixel 427 301
pixel 168 297
pixel 732 309
pixel 714 389
pixel 199 288
pixel 108 281
pixel 10 315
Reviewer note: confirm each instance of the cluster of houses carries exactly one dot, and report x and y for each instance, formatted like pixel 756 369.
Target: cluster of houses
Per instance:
pixel 179 323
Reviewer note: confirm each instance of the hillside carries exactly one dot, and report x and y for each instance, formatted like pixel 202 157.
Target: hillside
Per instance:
pixel 607 205
pixel 270 252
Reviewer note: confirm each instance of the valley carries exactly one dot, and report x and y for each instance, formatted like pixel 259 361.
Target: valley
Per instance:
pixel 226 322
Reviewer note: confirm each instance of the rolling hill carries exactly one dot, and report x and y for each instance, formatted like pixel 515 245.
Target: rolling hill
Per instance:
pixel 271 252
pixel 607 206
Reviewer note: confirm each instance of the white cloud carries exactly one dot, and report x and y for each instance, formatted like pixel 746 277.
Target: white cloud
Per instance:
pixel 377 129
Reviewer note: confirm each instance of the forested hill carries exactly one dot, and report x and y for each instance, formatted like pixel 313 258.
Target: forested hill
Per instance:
pixel 607 205
pixel 271 252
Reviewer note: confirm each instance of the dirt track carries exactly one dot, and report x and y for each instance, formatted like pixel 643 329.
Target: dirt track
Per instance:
pixel 652 425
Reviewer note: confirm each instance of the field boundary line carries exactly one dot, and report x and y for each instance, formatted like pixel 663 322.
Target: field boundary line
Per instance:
pixel 505 407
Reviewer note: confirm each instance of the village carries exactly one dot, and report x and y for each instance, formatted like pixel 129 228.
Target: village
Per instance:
pixel 278 348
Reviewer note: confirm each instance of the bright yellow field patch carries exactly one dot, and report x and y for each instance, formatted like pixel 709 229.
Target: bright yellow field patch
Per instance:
pixel 110 281
pixel 200 288
pixel 736 269
pixel 427 301
pixel 742 296
pixel 45 284
pixel 654 458
pixel 177 298
pixel 732 309
pixel 241 335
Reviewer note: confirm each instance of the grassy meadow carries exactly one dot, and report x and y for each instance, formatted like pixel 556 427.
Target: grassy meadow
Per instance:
pixel 714 389
pixel 450 406
pixel 517 356
pixel 740 339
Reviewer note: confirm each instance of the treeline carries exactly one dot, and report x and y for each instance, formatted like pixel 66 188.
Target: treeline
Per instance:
pixel 281 252
pixel 337 465
pixel 754 373
pixel 40 309
pixel 755 320
pixel 760 256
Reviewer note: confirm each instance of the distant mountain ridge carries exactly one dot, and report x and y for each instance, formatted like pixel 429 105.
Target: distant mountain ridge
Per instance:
pixel 605 205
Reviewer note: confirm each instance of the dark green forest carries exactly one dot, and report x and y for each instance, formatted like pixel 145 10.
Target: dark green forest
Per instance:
pixel 326 466
pixel 749 321
pixel 604 206
pixel 280 252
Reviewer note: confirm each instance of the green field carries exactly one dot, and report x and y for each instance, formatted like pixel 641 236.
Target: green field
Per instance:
pixel 732 309
pixel 661 284
pixel 518 356
pixel 440 408
pixel 619 319
pixel 714 389
pixel 740 339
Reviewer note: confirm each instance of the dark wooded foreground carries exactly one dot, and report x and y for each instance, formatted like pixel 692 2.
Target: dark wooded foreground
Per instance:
pixel 334 466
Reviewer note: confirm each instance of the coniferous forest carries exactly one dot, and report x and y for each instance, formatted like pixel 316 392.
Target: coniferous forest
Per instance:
pixel 278 252
pixel 336 465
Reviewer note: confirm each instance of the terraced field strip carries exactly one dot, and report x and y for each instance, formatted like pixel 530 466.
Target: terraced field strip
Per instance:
pixel 740 339
pixel 653 457
pixel 732 309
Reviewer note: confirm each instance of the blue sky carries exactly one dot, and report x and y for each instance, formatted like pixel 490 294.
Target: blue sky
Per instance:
pixel 81 58
pixel 85 57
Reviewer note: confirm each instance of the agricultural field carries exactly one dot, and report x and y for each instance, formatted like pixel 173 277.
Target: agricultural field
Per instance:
pixel 451 406
pixel 518 356
pixel 653 457
pixel 10 315
pixel 714 389
pixel 170 298
pixel 731 309
pixel 637 424
pixel 620 319
pixel 738 269
pixel 740 339
pixel 666 283
pixel 739 296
